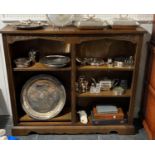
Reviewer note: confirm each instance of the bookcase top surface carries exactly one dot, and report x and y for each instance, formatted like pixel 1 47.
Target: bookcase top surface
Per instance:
pixel 9 29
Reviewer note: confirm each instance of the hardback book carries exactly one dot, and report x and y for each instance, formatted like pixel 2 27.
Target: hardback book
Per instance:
pixel 108 116
pixel 107 122
pixel 106 109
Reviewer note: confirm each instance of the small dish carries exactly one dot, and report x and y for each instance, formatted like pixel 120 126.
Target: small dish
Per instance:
pixel 22 62
pixel 118 91
pixel 118 64
pixel 29 25
pixel 91 61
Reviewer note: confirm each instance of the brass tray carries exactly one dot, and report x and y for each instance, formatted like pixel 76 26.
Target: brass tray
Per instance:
pixel 43 97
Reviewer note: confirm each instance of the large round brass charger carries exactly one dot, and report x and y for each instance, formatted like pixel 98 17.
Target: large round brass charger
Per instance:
pixel 43 97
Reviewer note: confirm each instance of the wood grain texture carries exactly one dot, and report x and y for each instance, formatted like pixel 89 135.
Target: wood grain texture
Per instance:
pixel 60 118
pixel 70 129
pixel 41 67
pixel 134 79
pixel 109 93
pixel 85 68
pixel 149 89
pixel 69 30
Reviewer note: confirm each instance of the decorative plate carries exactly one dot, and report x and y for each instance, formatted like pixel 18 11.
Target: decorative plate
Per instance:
pixel 29 27
pixel 43 97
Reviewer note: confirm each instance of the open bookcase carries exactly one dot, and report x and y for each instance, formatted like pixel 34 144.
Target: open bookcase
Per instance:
pixel 83 43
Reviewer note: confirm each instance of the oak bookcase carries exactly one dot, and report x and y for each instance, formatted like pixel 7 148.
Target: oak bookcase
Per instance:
pixel 84 43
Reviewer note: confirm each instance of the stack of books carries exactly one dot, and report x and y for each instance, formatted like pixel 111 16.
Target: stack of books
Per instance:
pixel 107 115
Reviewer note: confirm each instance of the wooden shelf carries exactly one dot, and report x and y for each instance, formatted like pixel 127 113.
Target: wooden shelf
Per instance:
pixel 105 94
pixel 47 124
pixel 64 117
pixel 42 67
pixel 83 68
pixel 90 123
pixel 23 130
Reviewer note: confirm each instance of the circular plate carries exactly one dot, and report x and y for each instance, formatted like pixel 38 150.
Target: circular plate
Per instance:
pixel 55 60
pixel 43 97
pixel 60 19
pixel 29 27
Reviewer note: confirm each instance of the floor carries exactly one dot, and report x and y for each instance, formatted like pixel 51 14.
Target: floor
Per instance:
pixel 6 123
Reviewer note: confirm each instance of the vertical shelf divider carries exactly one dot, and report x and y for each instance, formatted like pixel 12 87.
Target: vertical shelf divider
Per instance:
pixel 73 80
pixel 134 80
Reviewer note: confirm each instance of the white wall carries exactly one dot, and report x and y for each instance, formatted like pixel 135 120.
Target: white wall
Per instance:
pixel 5 108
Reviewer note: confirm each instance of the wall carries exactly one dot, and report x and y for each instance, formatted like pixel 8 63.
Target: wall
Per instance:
pixel 5 108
